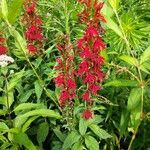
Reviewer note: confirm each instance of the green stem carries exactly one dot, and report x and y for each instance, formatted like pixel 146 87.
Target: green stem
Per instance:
pixel 7 101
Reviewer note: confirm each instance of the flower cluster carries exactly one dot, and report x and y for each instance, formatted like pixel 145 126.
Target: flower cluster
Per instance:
pixel 32 22
pixel 89 47
pixel 4 59
pixel 3 48
pixel 65 79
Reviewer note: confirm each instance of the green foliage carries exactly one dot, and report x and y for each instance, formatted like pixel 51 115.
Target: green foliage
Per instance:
pixel 29 110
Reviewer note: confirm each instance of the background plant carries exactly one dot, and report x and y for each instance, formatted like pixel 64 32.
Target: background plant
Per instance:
pixel 121 108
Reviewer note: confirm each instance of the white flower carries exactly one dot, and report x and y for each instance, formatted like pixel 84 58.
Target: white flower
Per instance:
pixel 5 60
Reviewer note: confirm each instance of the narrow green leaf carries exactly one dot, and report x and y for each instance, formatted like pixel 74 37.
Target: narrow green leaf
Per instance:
pixel 91 143
pixel 21 119
pixel 59 134
pixel 16 78
pixel 113 26
pixel 130 60
pixel 82 126
pixel 121 82
pixel 125 117
pixel 17 6
pixel 26 95
pixel 145 56
pixel 4 9
pixel 22 139
pixel 77 146
pixel 72 138
pixel 27 106
pixel 114 3
pixel 3 127
pixel 42 132
pixel 134 106
pixel 28 122
pixel 99 132
pixel 38 89
pixel 134 98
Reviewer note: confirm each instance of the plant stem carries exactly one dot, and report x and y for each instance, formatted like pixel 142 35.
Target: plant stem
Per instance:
pixel 7 101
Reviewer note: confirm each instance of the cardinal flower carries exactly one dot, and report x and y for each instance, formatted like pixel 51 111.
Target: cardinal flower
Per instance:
pixel 87 114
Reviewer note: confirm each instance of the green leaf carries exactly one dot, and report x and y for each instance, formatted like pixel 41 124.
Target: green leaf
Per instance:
pixel 134 98
pixel 27 106
pixel 59 134
pixel 21 119
pixel 121 82
pixel 82 126
pixel 145 56
pixel 3 127
pixel 114 3
pixel 28 122
pixel 22 139
pixel 16 78
pixel 113 26
pixel 77 146
pixel 91 143
pixel 72 138
pixel 26 95
pixel 99 132
pixel 4 9
pixel 38 89
pixel 20 43
pixel 42 132
pixel 130 60
pixel 134 106
pixel 15 5
pixel 8 99
pixel 125 117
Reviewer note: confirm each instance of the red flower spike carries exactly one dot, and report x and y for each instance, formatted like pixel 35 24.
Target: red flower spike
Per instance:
pixel 89 47
pixel 86 96
pixel 87 114
pixel 32 23
pixel 71 84
pixel 65 79
pixel 64 96
pixel 91 32
pixel 59 80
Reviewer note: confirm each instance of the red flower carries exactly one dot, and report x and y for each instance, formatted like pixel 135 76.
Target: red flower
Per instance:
pixel 59 80
pixel 64 96
pixel 71 84
pixel 31 8
pixel 86 53
pixel 80 43
pixel 91 32
pixel 32 49
pixel 94 88
pixel 86 96
pixel 87 114
pixel 32 22
pixel 90 79
pixel 98 59
pixel 98 45
pixel 83 67
pixel 3 50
